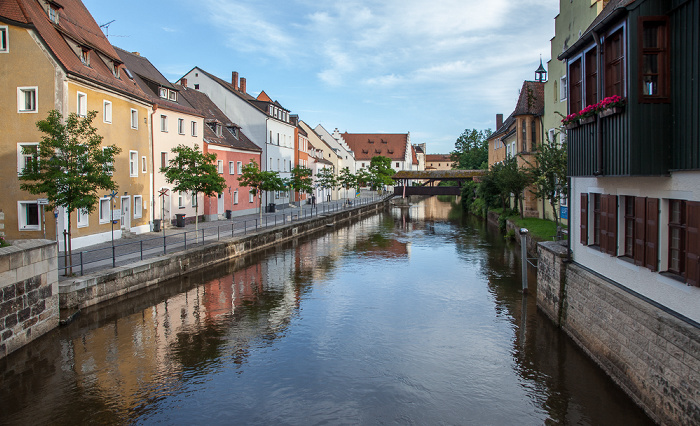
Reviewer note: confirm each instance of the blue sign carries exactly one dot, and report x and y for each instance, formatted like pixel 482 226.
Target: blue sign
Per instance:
pixel 564 212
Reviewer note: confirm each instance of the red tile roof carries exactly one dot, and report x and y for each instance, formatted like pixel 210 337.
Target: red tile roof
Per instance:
pixel 435 158
pixel 12 10
pixel 77 26
pixel 368 145
pixel 531 99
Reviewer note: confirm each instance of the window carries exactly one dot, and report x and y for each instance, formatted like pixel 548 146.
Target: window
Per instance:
pixel 231 168
pixel 53 14
pixel 144 168
pixel 196 86
pixel 163 93
pixel 163 159
pixel 83 218
pixel 220 166
pixel 138 206
pixel 397 165
pixel 82 104
pixel 614 64
pixel 235 197
pixel 591 76
pixel 134 119
pixel 239 164
pixel 181 126
pixel 194 199
pixel 234 131
pixel 104 210
pixel 270 136
pixel 109 165
pixel 107 112
pixel 194 128
pixel 28 215
pixel 575 104
pixel 596 219
pixel 172 95
pixel 180 200
pixel 26 99
pixel 563 89
pixel 630 221
pixel 85 56
pixel 4 40
pixel 27 156
pixel 163 123
pixel 133 159
pixel 692 243
pixel 251 197
pixel 676 236
pixel 654 59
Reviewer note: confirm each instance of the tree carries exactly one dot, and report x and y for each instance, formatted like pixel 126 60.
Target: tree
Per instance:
pixel 549 174
pixel 471 150
pixel 513 179
pixel 325 179
pixel 71 165
pixel 194 171
pixel 361 178
pixel 259 181
pixel 300 181
pixel 380 172
pixel 347 180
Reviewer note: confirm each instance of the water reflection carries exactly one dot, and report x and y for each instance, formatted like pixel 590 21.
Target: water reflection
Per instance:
pixel 414 316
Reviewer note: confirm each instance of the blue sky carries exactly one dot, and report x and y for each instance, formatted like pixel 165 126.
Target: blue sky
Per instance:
pixel 429 67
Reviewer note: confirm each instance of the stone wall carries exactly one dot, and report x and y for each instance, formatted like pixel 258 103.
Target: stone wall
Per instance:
pixel 652 353
pixel 28 292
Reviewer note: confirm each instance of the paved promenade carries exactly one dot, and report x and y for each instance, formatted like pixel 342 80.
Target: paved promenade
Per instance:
pixel 136 247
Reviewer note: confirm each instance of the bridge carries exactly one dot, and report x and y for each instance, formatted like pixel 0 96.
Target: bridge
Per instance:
pixel 429 177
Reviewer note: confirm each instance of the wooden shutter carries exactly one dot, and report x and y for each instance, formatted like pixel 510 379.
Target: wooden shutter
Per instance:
pixel 652 234
pixel 640 222
pixel 612 225
pixel 692 243
pixel 603 240
pixel 584 219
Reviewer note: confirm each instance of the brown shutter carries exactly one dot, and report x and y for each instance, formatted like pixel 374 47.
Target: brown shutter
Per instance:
pixel 612 225
pixel 584 219
pixel 603 240
pixel 692 243
pixel 640 208
pixel 652 234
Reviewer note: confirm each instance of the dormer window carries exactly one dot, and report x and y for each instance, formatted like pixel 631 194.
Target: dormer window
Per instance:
pixel 215 127
pixel 172 95
pixel 234 131
pixel 115 69
pixel 164 93
pixel 53 14
pixel 128 73
pixel 85 56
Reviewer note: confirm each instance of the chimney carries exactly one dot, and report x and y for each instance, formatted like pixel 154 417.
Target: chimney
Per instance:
pixel 136 53
pixel 499 121
pixel 234 79
pixel 183 82
pixel 243 85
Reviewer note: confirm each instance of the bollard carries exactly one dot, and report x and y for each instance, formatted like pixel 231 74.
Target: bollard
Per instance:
pixel 186 240
pixel 81 262
pixel 523 256
pixel 141 249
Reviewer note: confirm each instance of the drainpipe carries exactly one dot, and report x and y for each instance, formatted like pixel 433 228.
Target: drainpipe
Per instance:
pixel 599 128
pixel 153 171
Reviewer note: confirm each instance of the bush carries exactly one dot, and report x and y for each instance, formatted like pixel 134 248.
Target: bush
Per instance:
pixel 510 235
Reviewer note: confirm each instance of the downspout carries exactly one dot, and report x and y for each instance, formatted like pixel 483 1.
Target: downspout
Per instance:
pixel 153 171
pixel 599 128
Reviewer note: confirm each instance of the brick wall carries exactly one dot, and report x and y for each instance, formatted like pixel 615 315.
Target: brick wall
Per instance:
pixel 651 353
pixel 28 292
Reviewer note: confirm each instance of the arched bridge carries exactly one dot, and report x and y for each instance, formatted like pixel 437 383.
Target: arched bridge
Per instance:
pixel 428 178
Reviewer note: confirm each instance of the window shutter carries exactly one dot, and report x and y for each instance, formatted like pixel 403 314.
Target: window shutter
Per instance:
pixel 612 225
pixel 652 233
pixel 584 219
pixel 640 208
pixel 604 224
pixel 692 243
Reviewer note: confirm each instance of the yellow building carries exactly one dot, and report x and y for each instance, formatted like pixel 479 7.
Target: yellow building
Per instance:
pixel 54 56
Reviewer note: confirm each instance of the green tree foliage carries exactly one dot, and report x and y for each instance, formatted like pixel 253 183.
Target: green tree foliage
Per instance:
pixel 361 178
pixel 513 179
pixel 194 171
pixel 471 150
pixel 71 165
pixel 301 182
pixel 347 180
pixel 259 181
pixel 549 174
pixel 325 178
pixel 380 172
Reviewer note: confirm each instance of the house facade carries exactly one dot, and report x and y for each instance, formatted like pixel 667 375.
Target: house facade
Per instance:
pixel 301 151
pixel 395 146
pixel 54 56
pixel 438 162
pixel 321 157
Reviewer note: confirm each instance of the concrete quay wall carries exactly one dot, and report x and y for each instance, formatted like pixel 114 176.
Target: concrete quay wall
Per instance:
pixel 28 292
pixel 652 353
pixel 101 286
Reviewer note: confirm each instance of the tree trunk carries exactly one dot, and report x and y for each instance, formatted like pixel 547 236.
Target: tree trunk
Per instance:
pixel 196 218
pixel 554 211
pixel 70 248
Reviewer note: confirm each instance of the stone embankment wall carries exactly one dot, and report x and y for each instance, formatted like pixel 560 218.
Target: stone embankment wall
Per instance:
pixel 98 287
pixel 28 292
pixel 653 354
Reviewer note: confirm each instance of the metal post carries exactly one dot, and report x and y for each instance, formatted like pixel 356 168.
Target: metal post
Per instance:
pixel 114 257
pixel 164 245
pixel 202 236
pixel 141 249
pixel 81 262
pixel 218 234
pixel 523 257
pixel 232 228
pixel 186 240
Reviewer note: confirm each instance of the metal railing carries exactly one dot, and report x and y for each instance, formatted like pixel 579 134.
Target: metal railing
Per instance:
pixel 111 256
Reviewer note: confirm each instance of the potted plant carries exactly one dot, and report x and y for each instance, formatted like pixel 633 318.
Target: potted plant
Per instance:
pixel 610 106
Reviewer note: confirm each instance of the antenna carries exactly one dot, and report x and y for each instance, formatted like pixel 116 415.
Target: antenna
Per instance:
pixel 107 27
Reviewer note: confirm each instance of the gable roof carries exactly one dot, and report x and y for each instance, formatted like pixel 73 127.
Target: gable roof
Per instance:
pixel 76 29
pixel 504 127
pixel 531 99
pixel 12 10
pixel 228 86
pixel 368 145
pixel 438 158
pixel 201 102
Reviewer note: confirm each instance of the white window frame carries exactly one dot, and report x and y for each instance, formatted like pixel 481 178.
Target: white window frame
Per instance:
pixel 235 197
pixel 133 163
pixel 239 166
pixel 172 95
pixel 53 14
pixel 107 112
pixel 81 106
pixel 104 210
pixel 194 128
pixel 563 88
pixel 251 197
pixel 164 123
pixel 4 39
pixel 231 168
pixel 134 114
pixel 194 199
pixel 220 166
pixel 21 158
pixel 138 206
pixel 180 200
pixel 144 164
pixel 21 100
pixel 181 126
pixel 164 163
pixel 83 218
pixel 163 93
pixel 21 215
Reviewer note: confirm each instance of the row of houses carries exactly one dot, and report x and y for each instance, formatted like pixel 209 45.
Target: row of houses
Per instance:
pixel 634 181
pixel 53 55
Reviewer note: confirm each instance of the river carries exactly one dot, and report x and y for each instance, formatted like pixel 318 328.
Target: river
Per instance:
pixel 412 316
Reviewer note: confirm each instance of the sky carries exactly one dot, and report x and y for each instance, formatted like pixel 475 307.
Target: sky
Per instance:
pixel 429 67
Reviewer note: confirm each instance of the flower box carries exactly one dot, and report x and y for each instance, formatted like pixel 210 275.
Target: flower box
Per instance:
pixel 610 111
pixel 587 120
pixel 571 125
